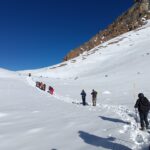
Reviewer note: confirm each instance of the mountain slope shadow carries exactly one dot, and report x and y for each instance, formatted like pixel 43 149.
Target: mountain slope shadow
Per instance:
pixel 107 143
pixel 114 120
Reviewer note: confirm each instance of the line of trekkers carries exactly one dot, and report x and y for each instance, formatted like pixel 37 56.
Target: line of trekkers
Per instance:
pixel 42 86
pixel 142 103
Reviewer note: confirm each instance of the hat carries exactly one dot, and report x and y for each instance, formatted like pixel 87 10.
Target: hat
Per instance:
pixel 140 95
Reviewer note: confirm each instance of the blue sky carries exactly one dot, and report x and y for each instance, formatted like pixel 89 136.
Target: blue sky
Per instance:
pixel 39 33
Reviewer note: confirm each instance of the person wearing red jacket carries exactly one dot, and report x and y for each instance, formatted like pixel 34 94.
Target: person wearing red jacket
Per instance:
pixel 51 90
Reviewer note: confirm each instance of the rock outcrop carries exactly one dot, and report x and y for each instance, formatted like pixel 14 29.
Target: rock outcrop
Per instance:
pixel 135 17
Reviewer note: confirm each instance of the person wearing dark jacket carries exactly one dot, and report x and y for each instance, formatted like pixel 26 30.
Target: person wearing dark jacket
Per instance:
pixel 83 94
pixel 94 97
pixel 143 106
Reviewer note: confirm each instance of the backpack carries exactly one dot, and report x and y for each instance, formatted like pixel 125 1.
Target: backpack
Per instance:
pixel 144 104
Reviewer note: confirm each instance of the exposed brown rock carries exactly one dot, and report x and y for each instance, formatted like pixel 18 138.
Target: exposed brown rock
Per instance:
pixel 135 17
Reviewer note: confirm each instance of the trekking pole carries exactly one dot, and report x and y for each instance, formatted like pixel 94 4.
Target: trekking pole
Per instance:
pixel 136 118
pixel 134 96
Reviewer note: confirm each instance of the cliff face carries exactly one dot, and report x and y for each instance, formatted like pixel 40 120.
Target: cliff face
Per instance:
pixel 135 17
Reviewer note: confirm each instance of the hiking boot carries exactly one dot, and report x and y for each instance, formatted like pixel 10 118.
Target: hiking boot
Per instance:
pixel 147 127
pixel 142 128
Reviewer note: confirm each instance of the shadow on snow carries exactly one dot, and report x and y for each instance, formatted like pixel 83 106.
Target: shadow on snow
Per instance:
pixel 114 120
pixel 107 143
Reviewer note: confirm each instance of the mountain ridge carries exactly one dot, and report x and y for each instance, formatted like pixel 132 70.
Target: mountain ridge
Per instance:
pixel 133 18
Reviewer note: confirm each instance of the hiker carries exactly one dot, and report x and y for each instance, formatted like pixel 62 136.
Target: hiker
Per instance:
pixel 37 84
pixel 143 106
pixel 44 87
pixel 83 94
pixel 51 90
pixel 94 97
pixel 41 85
pixel 29 74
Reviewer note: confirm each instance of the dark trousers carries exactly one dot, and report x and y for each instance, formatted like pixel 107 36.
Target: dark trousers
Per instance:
pixel 143 119
pixel 83 100
pixel 94 101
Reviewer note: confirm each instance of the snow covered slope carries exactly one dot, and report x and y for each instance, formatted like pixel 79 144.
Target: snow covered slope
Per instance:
pixel 6 73
pixel 125 55
pixel 31 119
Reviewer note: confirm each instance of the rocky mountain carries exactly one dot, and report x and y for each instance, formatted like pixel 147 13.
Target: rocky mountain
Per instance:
pixel 133 18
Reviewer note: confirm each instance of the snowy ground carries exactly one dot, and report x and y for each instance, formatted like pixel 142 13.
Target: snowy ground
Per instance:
pixel 31 119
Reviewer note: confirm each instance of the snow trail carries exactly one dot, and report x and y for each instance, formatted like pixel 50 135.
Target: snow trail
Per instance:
pixel 139 138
